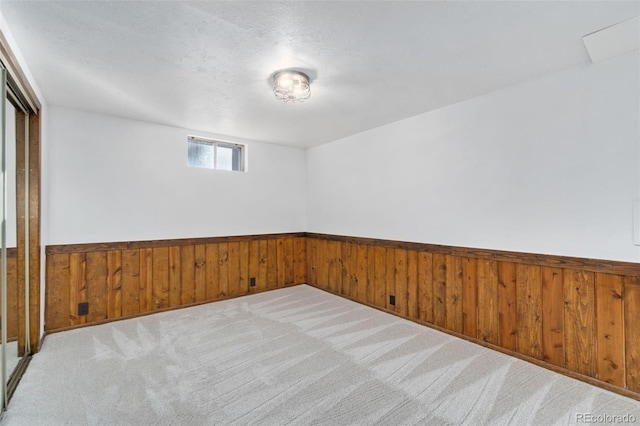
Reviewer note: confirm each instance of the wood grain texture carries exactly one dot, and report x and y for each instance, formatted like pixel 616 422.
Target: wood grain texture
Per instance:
pixel 312 261
pixel 372 291
pixel 349 255
pixel 57 295
pixel 254 264
pixel 322 265
pixel 130 283
pixel 114 284
pixel 122 283
pixel 390 278
pixel 223 271
pixel 211 272
pixel 488 303
pixel 361 272
pixel 272 271
pixel 244 268
pixel 425 286
pixel 146 280
pixel 439 289
pixel 632 336
pixel 34 214
pixel 453 303
pixel 340 269
pixel 565 262
pixel 16 309
pixel 160 282
pixel 175 277
pixel 328 260
pixel 552 316
pixel 529 310
pixel 280 269
pixel 299 260
pixel 412 285
pixel 290 261
pixel 128 245
pixel 200 257
pixel 507 316
pixel 579 321
pixel 31 191
pixel 188 274
pixel 235 288
pixel 401 283
pixel 610 328
pixel 469 297
pixel 379 276
pixel 77 287
pixel 334 275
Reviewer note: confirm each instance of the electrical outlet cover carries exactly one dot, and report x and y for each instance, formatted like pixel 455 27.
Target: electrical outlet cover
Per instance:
pixel 83 308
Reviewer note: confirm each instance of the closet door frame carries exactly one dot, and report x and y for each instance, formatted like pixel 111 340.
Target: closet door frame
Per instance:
pixel 28 184
pixel 20 86
pixel 28 229
pixel 19 305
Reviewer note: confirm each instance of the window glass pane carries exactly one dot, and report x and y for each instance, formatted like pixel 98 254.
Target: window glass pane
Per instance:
pixel 230 156
pixel 212 154
pixel 200 154
pixel 237 159
pixel 225 158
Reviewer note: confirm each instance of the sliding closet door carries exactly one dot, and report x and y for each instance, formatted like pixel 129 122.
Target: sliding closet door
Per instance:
pixel 14 292
pixel 20 221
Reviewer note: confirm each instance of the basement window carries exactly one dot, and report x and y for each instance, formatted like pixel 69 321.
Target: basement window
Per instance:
pixel 212 154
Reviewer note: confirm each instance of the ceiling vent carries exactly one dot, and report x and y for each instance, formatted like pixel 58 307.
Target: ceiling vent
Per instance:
pixel 614 40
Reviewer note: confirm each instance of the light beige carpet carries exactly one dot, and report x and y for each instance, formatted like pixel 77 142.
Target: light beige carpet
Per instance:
pixel 291 356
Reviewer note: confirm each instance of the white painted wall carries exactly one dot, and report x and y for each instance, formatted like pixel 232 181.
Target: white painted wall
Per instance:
pixel 549 166
pixel 114 179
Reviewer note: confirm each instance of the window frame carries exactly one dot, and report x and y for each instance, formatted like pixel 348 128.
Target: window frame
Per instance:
pixel 215 143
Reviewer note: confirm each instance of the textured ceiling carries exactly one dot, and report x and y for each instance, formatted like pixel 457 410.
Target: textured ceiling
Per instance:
pixel 206 65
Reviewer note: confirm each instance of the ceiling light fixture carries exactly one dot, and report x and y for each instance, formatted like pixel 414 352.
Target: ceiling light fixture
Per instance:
pixel 291 86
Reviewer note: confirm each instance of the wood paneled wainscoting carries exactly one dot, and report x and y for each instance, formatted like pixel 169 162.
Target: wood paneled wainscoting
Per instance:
pixel 580 317
pixel 120 280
